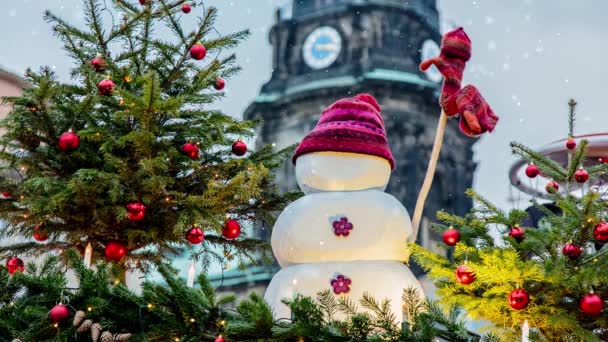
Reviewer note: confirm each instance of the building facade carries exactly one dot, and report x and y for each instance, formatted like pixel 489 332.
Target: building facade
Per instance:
pixel 330 49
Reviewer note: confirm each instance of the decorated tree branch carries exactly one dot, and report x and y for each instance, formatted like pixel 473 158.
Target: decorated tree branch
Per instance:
pixel 36 305
pixel 547 276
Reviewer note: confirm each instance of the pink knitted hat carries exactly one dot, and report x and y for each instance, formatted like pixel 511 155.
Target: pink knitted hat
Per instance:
pixel 349 125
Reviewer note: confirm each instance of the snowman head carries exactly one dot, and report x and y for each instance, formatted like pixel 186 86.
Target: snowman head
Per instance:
pixel 347 150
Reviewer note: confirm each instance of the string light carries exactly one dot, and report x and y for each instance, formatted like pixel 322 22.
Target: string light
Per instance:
pixel 55 325
pixel 192 320
pixel 90 308
pixel 116 281
pixel 222 322
pixel 150 306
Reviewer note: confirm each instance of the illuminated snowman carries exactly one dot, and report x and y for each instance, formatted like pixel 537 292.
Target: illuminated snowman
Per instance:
pixel 346 235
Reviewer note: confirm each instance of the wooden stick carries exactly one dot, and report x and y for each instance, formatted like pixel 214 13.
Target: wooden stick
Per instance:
pixel 430 173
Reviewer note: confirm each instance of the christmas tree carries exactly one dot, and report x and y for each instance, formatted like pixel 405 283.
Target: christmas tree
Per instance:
pixel 546 281
pixel 130 158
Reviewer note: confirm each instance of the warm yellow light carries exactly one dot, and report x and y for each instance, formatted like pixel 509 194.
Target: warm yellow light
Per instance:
pixel 192 320
pixel 116 281
pixel 90 308
pixel 56 325
pixel 150 306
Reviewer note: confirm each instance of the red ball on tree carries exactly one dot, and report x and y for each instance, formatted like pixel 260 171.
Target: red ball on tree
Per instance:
pixel 219 339
pixel 465 274
pixel 191 150
pixel 68 141
pixel 219 83
pixel 592 304
pixel 98 64
pixel 59 313
pixel 115 250
pixel 519 299
pixel 136 211
pixel 186 8
pixel 570 144
pixel 40 234
pixel 106 87
pixel 451 236
pixel 600 232
pixel 239 148
pixel 198 51
pixel 6 195
pixel 143 2
pixel 581 175
pixel 552 187
pixel 517 233
pixel 532 171
pixel 15 264
pixel 571 250
pixel 231 230
pixel 195 235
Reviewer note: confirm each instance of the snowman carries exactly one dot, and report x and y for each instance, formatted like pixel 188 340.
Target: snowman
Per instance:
pixel 346 235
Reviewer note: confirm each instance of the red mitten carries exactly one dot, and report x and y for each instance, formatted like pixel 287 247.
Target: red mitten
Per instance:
pixel 476 116
pixel 454 53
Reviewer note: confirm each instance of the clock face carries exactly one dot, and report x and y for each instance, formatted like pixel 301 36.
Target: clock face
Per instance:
pixel 428 50
pixel 322 47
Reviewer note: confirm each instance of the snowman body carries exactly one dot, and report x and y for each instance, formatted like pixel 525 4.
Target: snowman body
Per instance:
pixel 346 235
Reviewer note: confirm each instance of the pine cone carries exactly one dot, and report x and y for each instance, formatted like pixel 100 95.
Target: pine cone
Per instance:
pixel 95 332
pixel 106 336
pixel 86 325
pixel 122 337
pixel 78 317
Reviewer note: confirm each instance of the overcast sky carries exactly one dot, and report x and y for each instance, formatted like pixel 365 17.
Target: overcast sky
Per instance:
pixel 529 58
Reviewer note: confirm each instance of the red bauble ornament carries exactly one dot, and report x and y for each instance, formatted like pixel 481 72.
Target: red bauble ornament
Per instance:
pixel 571 144
pixel 6 195
pixel 592 304
pixel 465 274
pixel 451 237
pixel 40 234
pixel 195 235
pixel 115 250
pixel 532 171
pixel 15 264
pixel 59 313
pixel 98 64
pixel 219 83
pixel 581 175
pixel 219 339
pixel 106 87
pixel 198 51
pixel 231 230
pixel 68 141
pixel 519 299
pixel 571 250
pixel 186 8
pixel 143 2
pixel 552 187
pixel 191 150
pixel 239 148
pixel 600 232
pixel 136 211
pixel 517 233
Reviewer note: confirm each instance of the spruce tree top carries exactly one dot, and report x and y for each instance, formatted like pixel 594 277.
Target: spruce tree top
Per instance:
pixel 131 139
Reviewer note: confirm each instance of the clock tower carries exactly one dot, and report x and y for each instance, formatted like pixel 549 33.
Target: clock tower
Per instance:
pixel 330 49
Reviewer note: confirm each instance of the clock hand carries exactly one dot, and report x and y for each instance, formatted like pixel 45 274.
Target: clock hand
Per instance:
pixel 326 47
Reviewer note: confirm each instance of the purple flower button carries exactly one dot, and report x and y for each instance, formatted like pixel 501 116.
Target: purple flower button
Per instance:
pixel 342 227
pixel 341 284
